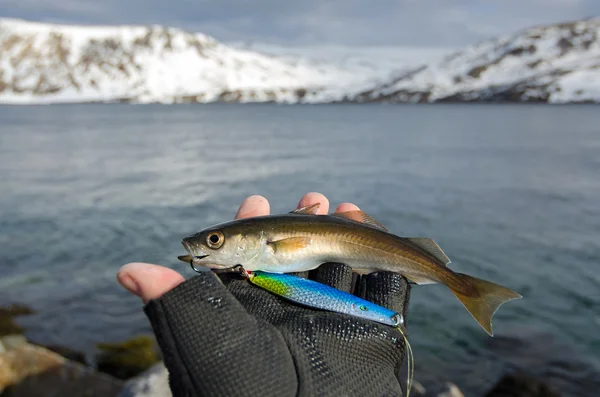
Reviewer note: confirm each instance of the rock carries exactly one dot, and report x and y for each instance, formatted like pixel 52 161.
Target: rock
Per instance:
pixel 11 341
pixel 451 391
pixel 30 370
pixel 68 353
pixel 417 388
pixel 152 383
pixel 447 389
pixel 127 359
pixel 7 325
pixel 520 385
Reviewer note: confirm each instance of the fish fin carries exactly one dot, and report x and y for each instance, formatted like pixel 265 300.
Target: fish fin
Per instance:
pixel 485 299
pixel 420 280
pixel 309 209
pixel 431 247
pixel 290 244
pixel 360 217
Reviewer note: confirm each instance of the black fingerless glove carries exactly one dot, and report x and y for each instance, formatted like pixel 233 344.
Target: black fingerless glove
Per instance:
pixel 232 338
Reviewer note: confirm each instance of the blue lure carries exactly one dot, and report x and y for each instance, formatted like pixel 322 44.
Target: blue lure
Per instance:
pixel 321 296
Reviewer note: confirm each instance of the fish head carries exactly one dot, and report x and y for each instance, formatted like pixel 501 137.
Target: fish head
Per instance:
pixel 221 247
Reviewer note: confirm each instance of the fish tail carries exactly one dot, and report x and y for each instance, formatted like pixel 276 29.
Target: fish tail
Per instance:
pixel 410 363
pixel 482 299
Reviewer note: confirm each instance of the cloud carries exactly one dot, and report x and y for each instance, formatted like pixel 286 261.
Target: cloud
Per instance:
pixel 358 22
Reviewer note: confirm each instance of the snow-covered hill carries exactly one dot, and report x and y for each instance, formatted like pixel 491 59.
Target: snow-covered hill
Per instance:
pixel 555 63
pixel 45 63
pixel 375 63
pixel 42 63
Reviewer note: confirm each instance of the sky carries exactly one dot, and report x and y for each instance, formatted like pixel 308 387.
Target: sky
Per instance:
pixel 432 23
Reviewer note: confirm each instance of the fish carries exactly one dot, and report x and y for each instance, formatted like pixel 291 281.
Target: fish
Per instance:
pixel 320 296
pixel 301 240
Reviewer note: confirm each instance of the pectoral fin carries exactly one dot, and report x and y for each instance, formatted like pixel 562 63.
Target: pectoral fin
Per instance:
pixel 360 217
pixel 289 245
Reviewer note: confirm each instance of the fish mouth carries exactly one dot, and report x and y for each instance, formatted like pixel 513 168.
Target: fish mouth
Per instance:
pixel 189 258
pixel 195 258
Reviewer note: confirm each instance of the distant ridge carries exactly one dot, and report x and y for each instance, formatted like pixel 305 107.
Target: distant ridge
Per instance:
pixel 557 63
pixel 51 63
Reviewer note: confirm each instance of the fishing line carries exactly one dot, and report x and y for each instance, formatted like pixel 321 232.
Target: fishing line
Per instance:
pixel 410 362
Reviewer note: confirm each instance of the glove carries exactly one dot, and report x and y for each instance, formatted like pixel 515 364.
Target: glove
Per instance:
pixel 222 336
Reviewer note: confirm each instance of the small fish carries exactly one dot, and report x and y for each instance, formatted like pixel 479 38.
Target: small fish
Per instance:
pixel 317 295
pixel 302 240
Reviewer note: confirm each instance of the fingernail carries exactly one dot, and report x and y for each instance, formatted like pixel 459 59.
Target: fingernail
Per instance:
pixel 130 284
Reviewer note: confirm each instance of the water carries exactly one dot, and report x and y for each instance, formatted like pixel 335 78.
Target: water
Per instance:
pixel 511 193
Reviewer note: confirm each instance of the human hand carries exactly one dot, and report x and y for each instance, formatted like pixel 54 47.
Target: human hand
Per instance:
pixel 233 338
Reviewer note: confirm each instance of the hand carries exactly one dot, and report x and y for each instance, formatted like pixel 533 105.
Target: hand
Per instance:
pixel 233 338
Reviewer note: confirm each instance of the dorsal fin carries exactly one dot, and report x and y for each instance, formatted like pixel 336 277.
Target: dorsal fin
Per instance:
pixel 431 247
pixel 360 217
pixel 309 209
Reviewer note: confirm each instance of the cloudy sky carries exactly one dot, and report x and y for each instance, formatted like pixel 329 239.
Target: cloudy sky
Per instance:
pixel 347 22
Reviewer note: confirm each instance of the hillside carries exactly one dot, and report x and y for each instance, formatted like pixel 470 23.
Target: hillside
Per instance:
pixel 41 63
pixel 555 63
pixel 45 63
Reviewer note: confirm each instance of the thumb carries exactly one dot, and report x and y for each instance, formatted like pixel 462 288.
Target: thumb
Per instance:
pixel 148 281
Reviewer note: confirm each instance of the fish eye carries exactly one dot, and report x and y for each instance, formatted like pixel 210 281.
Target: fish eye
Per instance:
pixel 215 239
pixel 363 308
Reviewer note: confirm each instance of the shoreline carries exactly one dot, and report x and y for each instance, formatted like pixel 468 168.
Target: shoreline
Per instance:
pixel 129 367
pixel 442 101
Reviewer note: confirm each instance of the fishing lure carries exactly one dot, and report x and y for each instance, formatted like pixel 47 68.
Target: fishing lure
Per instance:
pixel 314 294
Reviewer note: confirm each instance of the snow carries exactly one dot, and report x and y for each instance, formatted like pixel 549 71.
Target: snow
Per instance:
pixel 535 55
pixel 581 85
pixel 173 64
pixel 50 63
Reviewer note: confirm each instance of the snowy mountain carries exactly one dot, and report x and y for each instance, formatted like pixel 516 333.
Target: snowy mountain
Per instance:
pixel 374 63
pixel 43 63
pixel 46 63
pixel 555 63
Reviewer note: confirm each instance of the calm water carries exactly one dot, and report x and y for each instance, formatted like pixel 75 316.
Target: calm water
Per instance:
pixel 511 193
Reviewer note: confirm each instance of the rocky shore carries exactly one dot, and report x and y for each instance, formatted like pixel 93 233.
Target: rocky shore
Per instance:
pixel 133 368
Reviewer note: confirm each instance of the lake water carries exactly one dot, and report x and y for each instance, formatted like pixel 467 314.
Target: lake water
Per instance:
pixel 511 193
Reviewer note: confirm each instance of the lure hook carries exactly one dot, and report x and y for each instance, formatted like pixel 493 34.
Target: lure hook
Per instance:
pixel 196 258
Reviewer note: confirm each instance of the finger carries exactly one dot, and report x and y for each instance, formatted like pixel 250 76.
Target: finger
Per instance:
pixel 253 206
pixel 336 275
pixel 346 207
pixel 313 198
pixel 387 289
pixel 148 281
